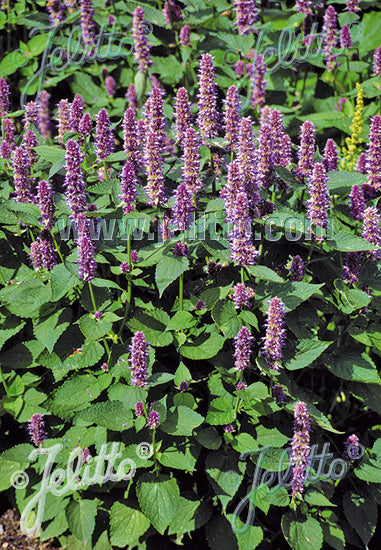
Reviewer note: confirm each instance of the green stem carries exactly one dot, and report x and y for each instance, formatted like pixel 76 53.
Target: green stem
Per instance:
pixel 92 297
pixel 181 290
pixel 3 381
pixel 242 275
pixel 349 74
pixel 129 286
pixel 57 248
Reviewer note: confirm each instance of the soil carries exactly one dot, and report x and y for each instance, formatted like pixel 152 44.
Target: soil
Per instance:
pixel 12 538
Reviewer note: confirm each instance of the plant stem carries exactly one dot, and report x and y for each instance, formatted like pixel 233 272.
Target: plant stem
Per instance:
pixel 92 297
pixel 3 381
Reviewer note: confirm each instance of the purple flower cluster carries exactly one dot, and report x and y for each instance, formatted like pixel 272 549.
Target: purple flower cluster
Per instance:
pixel 258 82
pixel 208 117
pixel 74 181
pixel 76 112
pixel 275 333
pixel 374 153
pixel 139 359
pixel 304 6
pixel 247 161
pixel 104 139
pixel 154 169
pixel 331 158
pixel 300 445
pixel 130 137
pixel 45 202
pixel 181 249
pixel 229 192
pixel 132 98
pixel 243 251
pixel 110 86
pixel 156 119
pixel 377 61
pixel 183 386
pixel 56 12
pixel 29 142
pixel 232 118
pixel 153 420
pixel 362 164
pixel 306 150
pixel 86 249
pixel 319 203
pixel 128 187
pixel 345 38
pixel 8 143
pixel 330 37
pixel 139 409
pixel 63 119
pixel 352 268
pixel 371 229
pixel 352 447
pixel 184 36
pixel 353 6
pixel 182 115
pixel 36 429
pixel 21 175
pixel 4 97
pixel 246 15
pixel 182 208
pixel 191 166
pixel 242 295
pixel 31 115
pixel 87 26
pixel 142 48
pixel 297 269
pixel 43 115
pixel 200 305
pixel 242 348
pixel 357 202
pixel 279 393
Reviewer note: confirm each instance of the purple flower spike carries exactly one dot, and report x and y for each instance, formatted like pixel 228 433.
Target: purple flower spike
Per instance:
pixel 242 348
pixel 247 161
pixel 275 334
pixel 88 27
pixel 374 154
pixel 297 269
pixel 239 68
pixel 377 61
pixel 21 175
pixel 242 295
pixel 8 144
pixel 139 359
pixel 56 12
pixel 74 181
pixel 86 249
pixel 258 82
pixel 184 36
pixel 369 192
pixel 128 187
pixel 242 250
pixel 35 255
pixel 353 6
pixel 182 115
pixel 246 15
pixel 36 429
pixel 43 115
pixel 345 38
pixel 31 115
pixel 182 208
pixel 229 429
pixel 125 268
pixel 29 142
pixel 181 249
pixel 45 202
pixel 352 448
pixel 331 158
pixel 47 251
pixel 279 393
pixel 4 97
pixel 84 128
pixel 241 386
pixel 134 256
pixel 142 48
pixel 191 167
pixel 156 119
pixel 153 420
pixel 63 118
pixel 306 150
pixel 301 449
pixel 183 386
pixel 232 118
pixel 234 185
pixel 280 141
pixel 319 203
pixel 139 409
pixel 371 229
pixel 362 164
pixel 200 305
pixel 304 6
pixel 265 154
pixel 76 112
pixel 130 137
pixel 208 117
pixel 132 98
pixel 104 136
pixel 330 38
pixel 352 268
pixel 110 86
pixel 154 167
pixel 98 315
pixel 357 202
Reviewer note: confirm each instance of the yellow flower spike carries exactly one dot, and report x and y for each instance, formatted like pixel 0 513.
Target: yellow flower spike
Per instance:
pixel 351 149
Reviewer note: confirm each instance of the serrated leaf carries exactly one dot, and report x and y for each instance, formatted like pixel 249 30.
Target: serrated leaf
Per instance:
pixel 181 421
pixel 225 316
pixel 220 412
pixel 158 498
pixel 81 518
pixel 307 352
pixel 361 513
pixel 93 329
pixel 346 242
pixel 49 329
pixel 350 364
pixel 168 270
pixel 302 534
pixel 127 525
pixel 112 415
pixel 204 346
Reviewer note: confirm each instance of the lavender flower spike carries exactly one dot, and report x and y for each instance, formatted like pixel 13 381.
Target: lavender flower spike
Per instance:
pixel 357 202
pixel 242 348
pixel 377 61
pixel 156 120
pixel 36 429
pixel 297 269
pixel 21 175
pixel 306 150
pixel 242 295
pixel 132 98
pixel 246 15
pixel 352 448
pixel 8 143
pixel 329 37
pixel 353 6
pixel 63 117
pixel 182 208
pixel 154 167
pixel 31 115
pixel 35 255
pixel 247 161
pixel 182 115
pixel 88 26
pixel 139 409
pixel 374 153
pixel 47 251
pixel 352 268
pixel 230 191
pixel 208 117
pixel 104 136
pixel 142 47
pixel 371 229
pixel 76 112
pixel 319 203
pixel 232 118
pixel 191 167
pixel 331 159
pixel 29 142
pixel 242 250
pixel 128 187
pixel 345 38
pixel 45 202
pixel 184 36
pixel 110 86
pixel 56 12
pixel 130 137
pixel 153 420
pixel 139 359
pixel 275 334
pixel 84 128
pixel 300 445
pixel 86 263
pixel 74 181
pixel 4 97
pixel 258 82
pixel 43 115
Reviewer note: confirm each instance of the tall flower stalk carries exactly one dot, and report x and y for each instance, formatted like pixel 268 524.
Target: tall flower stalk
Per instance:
pixel 208 116
pixel 300 445
pixel 273 341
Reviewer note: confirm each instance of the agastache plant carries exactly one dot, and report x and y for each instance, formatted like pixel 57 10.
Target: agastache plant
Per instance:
pixel 46 204
pixel 300 445
pixel 63 119
pixel 357 202
pixel 88 26
pixel 4 97
pixel 208 116
pixel 274 340
pixel 371 230
pixel 76 112
pixel 377 61
pixel 229 192
pixel 331 158
pixel 132 98
pixel 8 143
pixel 246 15
pixel 56 12
pixel 258 82
pixel 306 150
pixel 21 175
pixel 247 161
pixel 154 169
pixel 139 359
pixel 374 154
pixel 104 139
pixel 128 187
pixel 353 6
pixel 142 47
pixel 191 165
pixel 330 37
pixel 36 429
pixel 319 203
pixel 43 115
pixel 182 208
pixel 182 115
pixel 243 252
pixel 242 348
pixel 86 249
pixel 130 137
pixel 184 36
pixel 242 295
pixel 74 181
pixel 232 118
pixel 297 268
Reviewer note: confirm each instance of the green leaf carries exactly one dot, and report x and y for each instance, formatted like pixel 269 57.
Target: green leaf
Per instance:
pixel 307 352
pixel 346 242
pixel 204 346
pixel 220 412
pixel 361 513
pixel 168 270
pixel 248 536
pixel 180 457
pixel 51 153
pixel 264 273
pixel 292 294
pixel 74 395
pixel 182 374
pixel 127 525
pixel 153 323
pixel 181 320
pixel 81 518
pixel 158 498
pixel 342 182
pixel 209 438
pixel 225 316
pixel 10 327
pixel 181 421
pixel 93 329
pixel 26 298
pixel 49 329
pixel 87 356
pixel 302 534
pixel 190 515
pixel 113 415
pixel 61 281
pixel 350 364
pixel 219 534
